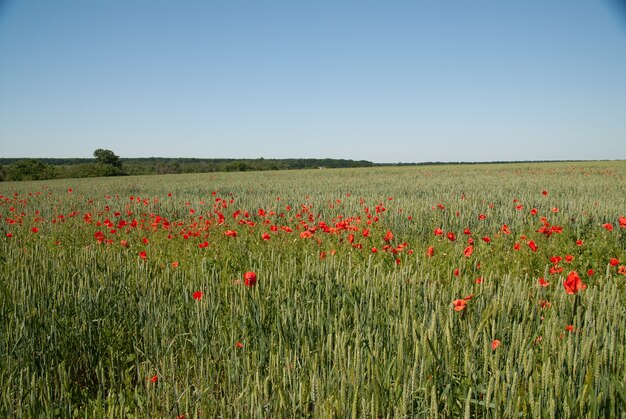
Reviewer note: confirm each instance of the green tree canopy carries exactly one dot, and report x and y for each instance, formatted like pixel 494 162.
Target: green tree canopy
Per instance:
pixel 30 169
pixel 107 157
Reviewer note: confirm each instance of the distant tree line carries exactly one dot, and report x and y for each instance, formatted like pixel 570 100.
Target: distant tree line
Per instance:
pixel 160 165
pixel 106 163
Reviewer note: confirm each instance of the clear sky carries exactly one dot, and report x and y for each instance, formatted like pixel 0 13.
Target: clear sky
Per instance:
pixel 384 81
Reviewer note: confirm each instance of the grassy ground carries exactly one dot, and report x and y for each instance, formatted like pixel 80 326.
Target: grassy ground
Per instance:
pixel 381 292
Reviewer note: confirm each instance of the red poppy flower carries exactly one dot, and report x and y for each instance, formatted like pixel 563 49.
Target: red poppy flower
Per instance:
pixel 486 239
pixel 239 345
pixel 573 284
pixel 608 226
pixel 482 217
pixel 555 210
pixel 265 236
pixel 544 304
pixel 590 272
pixel 231 233
pixel 198 295
pixel 468 251
pixel 9 235
pixel 143 255
pixel 494 344
pixel 556 269
pixel 569 258
pixel 532 245
pixel 622 222
pixel 544 193
pixel 621 270
pixel 154 378
pixel 467 232
pixel 249 279
pixel 459 304
pixel 456 272
pixel 99 235
pixel 543 282
pixel 430 252
pixel 505 229
pixel 614 262
pixel 569 328
pixel 579 242
pixel 34 230
pixel 533 211
pixel 451 236
pixel 516 246
pixel 374 250
pixel 438 232
pixel 388 236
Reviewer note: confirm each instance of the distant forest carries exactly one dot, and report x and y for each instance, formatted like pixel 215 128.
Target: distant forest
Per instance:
pixel 108 164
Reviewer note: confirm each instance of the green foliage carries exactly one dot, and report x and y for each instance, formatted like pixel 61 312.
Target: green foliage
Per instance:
pixel 108 164
pixel 107 157
pixel 92 170
pixel 99 319
pixel 29 169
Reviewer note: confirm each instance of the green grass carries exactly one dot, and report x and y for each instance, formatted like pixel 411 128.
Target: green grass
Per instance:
pixel 331 328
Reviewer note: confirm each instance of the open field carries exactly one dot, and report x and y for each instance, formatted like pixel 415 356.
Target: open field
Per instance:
pixel 483 290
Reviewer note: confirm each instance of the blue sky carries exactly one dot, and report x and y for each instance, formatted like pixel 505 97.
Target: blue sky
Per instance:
pixel 394 81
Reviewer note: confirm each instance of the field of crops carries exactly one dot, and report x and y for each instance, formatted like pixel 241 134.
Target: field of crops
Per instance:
pixel 476 290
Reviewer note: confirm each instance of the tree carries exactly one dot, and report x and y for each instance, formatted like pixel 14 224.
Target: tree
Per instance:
pixel 92 170
pixel 30 169
pixel 107 157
